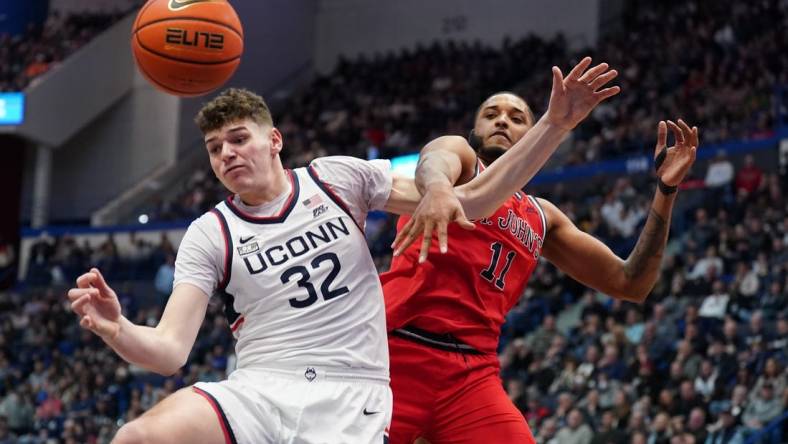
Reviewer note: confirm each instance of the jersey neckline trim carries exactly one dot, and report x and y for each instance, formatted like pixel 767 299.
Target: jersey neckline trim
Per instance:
pixel 279 218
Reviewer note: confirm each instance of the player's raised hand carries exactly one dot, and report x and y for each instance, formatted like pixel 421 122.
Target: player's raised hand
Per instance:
pixel 436 210
pixel 574 96
pixel 674 163
pixel 96 304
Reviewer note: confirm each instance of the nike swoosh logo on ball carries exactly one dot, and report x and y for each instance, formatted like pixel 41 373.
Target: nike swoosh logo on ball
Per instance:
pixel 180 4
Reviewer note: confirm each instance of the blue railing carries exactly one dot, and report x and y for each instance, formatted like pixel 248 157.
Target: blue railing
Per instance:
pixel 643 163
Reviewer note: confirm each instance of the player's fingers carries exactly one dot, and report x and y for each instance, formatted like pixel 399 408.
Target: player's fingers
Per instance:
pixel 684 127
pixel 575 73
pixel 401 235
pixel 606 93
pixel 86 323
pixel 79 305
pixel 662 137
pixel 465 224
pixel 592 73
pixel 443 236
pixel 603 79
pixel 76 293
pixel 100 283
pixel 695 137
pixel 462 220
pixel 85 280
pixel 426 241
pixel 410 237
pixel 676 132
pixel 558 80
pixel 686 132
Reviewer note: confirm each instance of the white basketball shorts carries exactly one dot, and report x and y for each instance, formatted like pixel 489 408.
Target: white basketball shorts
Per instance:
pixel 309 405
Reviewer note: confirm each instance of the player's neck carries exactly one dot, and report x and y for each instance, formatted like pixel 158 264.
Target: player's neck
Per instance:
pixel 274 185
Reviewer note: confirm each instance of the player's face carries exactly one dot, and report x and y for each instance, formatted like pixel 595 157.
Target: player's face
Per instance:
pixel 241 154
pixel 502 120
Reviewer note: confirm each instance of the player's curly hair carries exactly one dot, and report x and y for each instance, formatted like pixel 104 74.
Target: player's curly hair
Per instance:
pixel 232 105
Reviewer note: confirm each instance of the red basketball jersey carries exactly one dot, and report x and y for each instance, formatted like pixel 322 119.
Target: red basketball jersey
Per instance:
pixel 468 291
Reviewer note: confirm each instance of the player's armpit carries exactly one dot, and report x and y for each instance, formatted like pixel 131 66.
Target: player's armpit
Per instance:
pixel 585 258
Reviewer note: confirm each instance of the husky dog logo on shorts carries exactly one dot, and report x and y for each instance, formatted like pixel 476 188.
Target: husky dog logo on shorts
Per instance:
pixel 310 374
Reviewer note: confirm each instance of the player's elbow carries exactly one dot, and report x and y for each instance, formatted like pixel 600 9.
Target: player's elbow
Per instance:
pixel 169 367
pixel 633 293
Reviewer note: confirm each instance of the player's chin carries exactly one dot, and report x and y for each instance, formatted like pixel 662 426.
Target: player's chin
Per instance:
pixel 492 152
pixel 232 184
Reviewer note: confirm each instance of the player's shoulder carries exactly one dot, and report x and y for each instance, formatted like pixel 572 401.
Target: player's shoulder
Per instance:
pixel 209 222
pixel 330 163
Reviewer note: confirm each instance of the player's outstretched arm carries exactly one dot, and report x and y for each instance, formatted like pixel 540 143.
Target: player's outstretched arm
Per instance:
pixel 592 263
pixel 446 160
pixel 163 349
pixel 571 100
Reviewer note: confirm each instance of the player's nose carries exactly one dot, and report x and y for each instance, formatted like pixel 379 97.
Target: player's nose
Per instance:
pixel 228 150
pixel 501 122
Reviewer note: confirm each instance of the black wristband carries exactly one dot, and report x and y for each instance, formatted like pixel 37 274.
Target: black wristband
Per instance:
pixel 665 188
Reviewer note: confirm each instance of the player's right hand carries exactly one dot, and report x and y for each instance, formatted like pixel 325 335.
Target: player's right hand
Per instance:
pixel 437 209
pixel 96 304
pixel 573 97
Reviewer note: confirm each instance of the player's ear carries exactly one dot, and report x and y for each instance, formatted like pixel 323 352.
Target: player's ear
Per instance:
pixel 276 141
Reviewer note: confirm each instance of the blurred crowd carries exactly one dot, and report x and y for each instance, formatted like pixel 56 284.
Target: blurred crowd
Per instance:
pixel 26 56
pixel 715 64
pixel 702 361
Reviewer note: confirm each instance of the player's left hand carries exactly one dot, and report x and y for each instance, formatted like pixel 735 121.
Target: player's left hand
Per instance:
pixel 436 210
pixel 679 157
pixel 572 98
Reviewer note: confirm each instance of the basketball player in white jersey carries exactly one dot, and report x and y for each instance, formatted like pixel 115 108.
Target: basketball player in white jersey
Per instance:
pixel 287 254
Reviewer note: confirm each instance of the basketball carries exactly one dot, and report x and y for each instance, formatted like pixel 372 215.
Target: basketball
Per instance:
pixel 187 47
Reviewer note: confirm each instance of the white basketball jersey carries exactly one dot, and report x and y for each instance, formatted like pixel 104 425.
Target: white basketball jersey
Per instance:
pixel 300 288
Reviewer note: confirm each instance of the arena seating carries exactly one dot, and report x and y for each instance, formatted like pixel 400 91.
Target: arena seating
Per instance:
pixel 704 356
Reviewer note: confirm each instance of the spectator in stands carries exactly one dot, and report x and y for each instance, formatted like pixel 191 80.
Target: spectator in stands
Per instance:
pixel 165 277
pixel 609 432
pixel 6 436
pixel 660 429
pixel 576 431
pixel 725 430
pixel 764 407
pixel 696 425
pixel 749 176
pixel 720 172
pixel 547 432
pixel 706 381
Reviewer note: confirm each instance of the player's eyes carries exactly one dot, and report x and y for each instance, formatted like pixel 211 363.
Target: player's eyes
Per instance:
pixel 490 116
pixel 517 120
pixel 239 140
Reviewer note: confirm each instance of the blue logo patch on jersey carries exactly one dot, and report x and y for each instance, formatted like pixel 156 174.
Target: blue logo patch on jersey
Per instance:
pixel 318 211
pixel 243 250
pixel 310 374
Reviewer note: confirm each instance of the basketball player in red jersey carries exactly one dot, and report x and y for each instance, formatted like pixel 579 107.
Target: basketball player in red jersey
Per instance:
pixel 444 311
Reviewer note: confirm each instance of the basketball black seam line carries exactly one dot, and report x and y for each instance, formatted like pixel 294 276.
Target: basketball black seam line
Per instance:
pixel 169 57
pixel 180 91
pixel 198 19
pixel 139 14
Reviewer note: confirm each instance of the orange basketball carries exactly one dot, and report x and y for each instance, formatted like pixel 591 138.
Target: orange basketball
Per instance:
pixel 187 47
